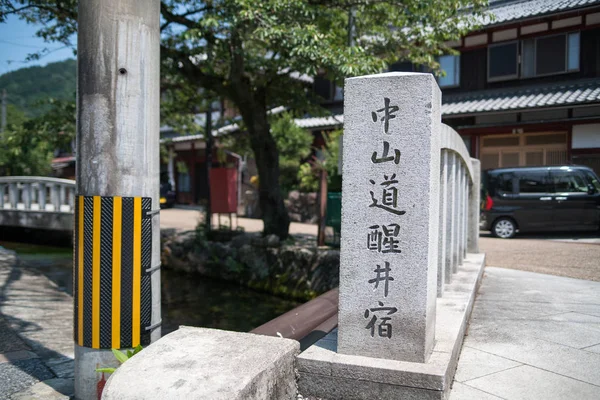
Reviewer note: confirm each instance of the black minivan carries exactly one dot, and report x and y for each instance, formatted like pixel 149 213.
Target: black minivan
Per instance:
pixel 534 199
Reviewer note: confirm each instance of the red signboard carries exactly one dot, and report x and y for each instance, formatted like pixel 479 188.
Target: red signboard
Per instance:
pixel 223 190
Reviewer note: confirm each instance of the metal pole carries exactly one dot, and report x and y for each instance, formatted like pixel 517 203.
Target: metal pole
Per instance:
pixel 3 120
pixel 208 164
pixel 117 151
pixel 322 207
pixel 351 26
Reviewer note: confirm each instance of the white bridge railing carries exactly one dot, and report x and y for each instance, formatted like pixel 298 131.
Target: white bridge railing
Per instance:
pixel 37 193
pixel 459 205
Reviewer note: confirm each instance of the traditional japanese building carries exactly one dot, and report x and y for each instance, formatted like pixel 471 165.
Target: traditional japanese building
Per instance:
pixel 524 90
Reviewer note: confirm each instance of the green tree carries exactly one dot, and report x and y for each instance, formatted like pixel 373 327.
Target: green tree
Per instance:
pixel 14 115
pixel 308 173
pixel 27 148
pixel 293 144
pixel 248 51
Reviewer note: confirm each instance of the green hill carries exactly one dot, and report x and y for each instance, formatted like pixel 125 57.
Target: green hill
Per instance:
pixel 26 86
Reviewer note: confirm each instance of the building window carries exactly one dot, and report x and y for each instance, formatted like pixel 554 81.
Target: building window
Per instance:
pixel 550 55
pixel 338 93
pixel 451 65
pixel 502 61
pixel 183 182
pixel 573 51
pixel 328 90
pixel 467 142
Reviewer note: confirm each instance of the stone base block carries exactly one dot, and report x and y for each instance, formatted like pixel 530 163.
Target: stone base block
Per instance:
pixel 326 374
pixel 201 363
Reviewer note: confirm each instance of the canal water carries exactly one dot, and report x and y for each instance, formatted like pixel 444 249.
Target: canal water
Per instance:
pixel 186 299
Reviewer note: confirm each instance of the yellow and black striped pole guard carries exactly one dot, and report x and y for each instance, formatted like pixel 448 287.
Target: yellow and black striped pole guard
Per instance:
pixel 111 275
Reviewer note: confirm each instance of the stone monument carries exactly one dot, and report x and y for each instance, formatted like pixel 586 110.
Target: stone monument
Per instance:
pixel 390 216
pixel 408 183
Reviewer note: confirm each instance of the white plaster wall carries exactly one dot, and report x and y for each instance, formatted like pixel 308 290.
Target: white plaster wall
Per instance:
pixel 586 136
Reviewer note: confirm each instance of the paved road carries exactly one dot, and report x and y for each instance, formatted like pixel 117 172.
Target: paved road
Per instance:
pixel 531 336
pixel 577 257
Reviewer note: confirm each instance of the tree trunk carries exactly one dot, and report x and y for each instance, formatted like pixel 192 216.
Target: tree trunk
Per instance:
pixel 275 217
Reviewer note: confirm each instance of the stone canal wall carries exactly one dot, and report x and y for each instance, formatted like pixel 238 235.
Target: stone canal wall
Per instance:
pixel 294 269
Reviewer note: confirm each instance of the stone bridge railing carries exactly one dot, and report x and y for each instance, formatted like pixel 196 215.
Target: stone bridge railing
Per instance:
pixel 459 205
pixel 37 202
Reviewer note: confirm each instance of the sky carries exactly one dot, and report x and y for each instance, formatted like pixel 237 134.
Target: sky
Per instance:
pixel 17 40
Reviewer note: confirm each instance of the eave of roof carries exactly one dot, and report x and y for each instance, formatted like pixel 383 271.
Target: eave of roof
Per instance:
pixel 531 97
pixel 506 12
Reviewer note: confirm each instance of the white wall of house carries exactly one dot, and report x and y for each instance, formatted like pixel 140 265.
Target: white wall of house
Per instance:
pixel 586 136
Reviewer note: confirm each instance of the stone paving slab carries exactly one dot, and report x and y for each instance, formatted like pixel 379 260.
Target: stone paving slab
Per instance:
pixel 475 364
pixel 464 392
pixel 20 375
pixel 50 389
pixel 532 336
pixel 36 345
pixel 530 383
pixel 593 349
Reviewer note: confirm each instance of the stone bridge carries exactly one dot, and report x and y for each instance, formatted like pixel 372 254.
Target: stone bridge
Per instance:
pixel 37 202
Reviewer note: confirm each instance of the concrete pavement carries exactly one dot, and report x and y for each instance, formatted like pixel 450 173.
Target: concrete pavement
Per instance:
pixel 531 336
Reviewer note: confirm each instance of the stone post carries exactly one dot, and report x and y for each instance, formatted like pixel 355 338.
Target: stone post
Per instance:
pixel 450 217
pixel 390 216
pixel 42 197
pixel 474 208
pixel 444 166
pixel 456 214
pixel 467 192
pixel 463 217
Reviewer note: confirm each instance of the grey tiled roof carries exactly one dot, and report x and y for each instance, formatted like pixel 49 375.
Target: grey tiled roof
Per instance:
pixel 508 11
pixel 320 122
pixel 553 95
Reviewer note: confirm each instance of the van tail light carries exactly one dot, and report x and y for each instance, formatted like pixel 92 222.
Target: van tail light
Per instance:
pixel 489 203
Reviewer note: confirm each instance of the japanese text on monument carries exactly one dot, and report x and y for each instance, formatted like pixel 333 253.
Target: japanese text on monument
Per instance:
pixel 383 238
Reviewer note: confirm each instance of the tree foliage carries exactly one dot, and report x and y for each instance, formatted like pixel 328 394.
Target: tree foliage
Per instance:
pixel 14 115
pixel 251 52
pixel 294 145
pixel 27 147
pixel 308 173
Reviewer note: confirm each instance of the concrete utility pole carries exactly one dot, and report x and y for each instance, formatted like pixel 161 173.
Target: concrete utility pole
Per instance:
pixel 3 118
pixel 117 229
